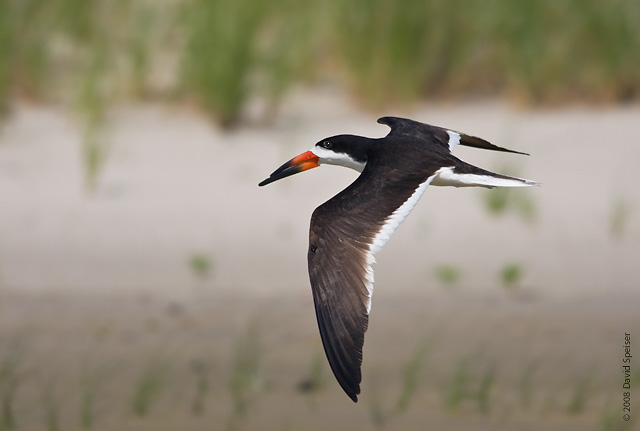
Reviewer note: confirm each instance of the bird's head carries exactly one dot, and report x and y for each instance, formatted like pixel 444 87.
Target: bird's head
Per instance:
pixel 342 150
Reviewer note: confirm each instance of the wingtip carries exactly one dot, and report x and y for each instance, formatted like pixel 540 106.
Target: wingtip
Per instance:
pixel 352 393
pixel 476 142
pixel 351 388
pixel 527 182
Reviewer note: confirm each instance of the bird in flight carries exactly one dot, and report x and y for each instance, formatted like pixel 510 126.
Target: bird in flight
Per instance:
pixel 350 228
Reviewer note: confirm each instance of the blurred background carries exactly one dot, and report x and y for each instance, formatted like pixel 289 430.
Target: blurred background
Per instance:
pixel 147 283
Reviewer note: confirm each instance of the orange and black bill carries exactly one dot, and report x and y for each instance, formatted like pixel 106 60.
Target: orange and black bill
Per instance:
pixel 299 163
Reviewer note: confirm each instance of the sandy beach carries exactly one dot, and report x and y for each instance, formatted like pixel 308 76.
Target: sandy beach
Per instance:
pixel 100 297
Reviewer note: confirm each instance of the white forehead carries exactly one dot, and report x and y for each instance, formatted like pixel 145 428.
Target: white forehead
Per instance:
pixel 330 157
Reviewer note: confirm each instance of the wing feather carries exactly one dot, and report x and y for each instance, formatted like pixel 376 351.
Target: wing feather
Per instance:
pixel 447 137
pixel 341 247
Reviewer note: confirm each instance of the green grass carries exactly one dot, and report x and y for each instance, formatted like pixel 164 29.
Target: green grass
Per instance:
pixel 525 384
pixel 525 205
pixel 128 384
pixel 497 200
pixel 448 275
pixel 219 54
pixel 6 42
pixel 619 217
pixel 94 145
pixel 534 50
pixel 11 378
pixel 474 379
pixel 87 408
pixel 410 378
pixel 201 372
pixel 139 45
pixel 148 387
pixel 385 48
pixel 485 387
pixel 317 378
pixel 90 390
pixel 381 415
pixel 511 276
pixel 244 379
pixel 502 200
pixel 581 390
pixel 51 406
pixel 386 53
pixel 93 104
pixel 285 52
pixel 411 375
pixel 457 389
pixel 200 264
pixel 611 418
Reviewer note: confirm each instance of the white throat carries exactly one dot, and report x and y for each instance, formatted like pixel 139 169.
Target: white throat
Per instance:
pixel 339 159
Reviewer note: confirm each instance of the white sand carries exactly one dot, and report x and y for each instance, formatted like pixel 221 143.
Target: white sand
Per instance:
pixel 174 185
pixel 96 287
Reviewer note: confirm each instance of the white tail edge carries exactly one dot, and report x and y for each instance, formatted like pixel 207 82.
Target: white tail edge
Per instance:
pixel 446 177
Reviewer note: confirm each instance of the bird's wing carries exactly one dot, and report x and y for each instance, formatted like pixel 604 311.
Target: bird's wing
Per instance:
pixel 403 127
pixel 345 233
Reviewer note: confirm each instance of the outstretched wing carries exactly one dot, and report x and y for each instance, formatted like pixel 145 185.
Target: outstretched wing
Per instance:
pixel 403 127
pixel 345 234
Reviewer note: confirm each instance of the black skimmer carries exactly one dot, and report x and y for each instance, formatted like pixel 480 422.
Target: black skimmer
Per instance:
pixel 351 227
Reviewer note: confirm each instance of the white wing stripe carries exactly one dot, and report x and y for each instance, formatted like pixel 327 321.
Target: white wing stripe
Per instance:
pixel 454 139
pixel 388 228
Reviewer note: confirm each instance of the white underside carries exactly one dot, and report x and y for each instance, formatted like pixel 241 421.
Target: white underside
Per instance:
pixel 443 177
pixel 446 177
pixel 388 228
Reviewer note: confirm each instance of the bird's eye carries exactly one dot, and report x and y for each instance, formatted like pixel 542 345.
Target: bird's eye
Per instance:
pixel 327 145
